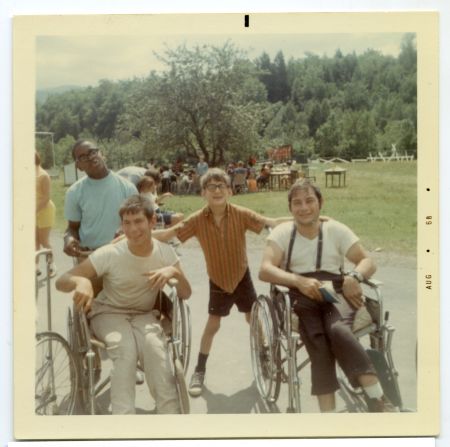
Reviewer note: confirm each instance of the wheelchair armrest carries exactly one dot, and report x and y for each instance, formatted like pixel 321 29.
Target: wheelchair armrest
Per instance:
pixel 97 343
pixel 279 288
pixel 373 283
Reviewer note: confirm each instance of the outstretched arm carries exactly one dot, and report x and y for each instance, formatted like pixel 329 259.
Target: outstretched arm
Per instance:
pixel 166 234
pixel 273 222
pixel 270 271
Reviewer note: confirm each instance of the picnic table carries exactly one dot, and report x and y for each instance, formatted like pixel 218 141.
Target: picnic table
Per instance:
pixel 276 179
pixel 335 172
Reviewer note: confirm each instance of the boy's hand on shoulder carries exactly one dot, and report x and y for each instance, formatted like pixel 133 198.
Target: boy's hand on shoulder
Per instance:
pixel 324 218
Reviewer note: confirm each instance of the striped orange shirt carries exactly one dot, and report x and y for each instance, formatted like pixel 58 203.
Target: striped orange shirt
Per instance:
pixel 224 246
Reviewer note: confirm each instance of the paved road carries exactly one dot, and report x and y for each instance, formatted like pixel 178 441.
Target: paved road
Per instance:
pixel 230 387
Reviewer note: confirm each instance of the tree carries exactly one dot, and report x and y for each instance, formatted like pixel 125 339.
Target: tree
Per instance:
pixel 201 103
pixel 357 135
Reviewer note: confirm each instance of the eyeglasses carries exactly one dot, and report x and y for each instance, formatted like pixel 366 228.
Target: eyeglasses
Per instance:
pixel 89 154
pixel 213 186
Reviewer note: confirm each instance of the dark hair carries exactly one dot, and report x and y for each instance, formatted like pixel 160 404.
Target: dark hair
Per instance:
pixel 37 158
pixel 154 174
pixel 82 143
pixel 135 204
pixel 304 185
pixel 214 174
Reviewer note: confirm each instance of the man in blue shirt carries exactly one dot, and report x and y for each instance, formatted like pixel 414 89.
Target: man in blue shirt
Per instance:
pixel 92 203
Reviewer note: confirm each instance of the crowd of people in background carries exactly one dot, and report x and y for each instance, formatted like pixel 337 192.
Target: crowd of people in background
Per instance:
pixel 159 182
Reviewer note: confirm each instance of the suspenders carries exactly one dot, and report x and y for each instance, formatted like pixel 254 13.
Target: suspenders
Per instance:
pixel 319 248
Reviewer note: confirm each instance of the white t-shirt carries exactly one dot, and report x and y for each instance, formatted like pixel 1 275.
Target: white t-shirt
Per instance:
pixel 337 240
pixel 125 288
pixel 152 197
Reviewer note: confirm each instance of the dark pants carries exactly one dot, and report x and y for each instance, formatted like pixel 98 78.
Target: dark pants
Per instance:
pixel 326 330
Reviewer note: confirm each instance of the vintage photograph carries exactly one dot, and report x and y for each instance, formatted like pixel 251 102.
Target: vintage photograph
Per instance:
pixel 227 222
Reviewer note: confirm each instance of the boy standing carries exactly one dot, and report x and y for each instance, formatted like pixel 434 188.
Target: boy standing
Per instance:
pixel 220 228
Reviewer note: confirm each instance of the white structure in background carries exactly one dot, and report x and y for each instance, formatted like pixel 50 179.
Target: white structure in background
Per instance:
pixel 72 174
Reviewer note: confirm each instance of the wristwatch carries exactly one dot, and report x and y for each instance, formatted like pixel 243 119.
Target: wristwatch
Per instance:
pixel 357 275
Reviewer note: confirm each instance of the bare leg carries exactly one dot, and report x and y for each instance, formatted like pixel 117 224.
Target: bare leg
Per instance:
pixel 44 237
pixel 211 328
pixel 367 380
pixel 326 402
pixel 38 244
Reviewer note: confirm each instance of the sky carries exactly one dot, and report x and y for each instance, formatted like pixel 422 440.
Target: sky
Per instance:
pixel 84 60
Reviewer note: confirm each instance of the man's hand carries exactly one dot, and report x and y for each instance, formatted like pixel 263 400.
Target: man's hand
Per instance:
pixel 71 246
pixel 352 292
pixel 157 279
pixel 310 288
pixel 84 294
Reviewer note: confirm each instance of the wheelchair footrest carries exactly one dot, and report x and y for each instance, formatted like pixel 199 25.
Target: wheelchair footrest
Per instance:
pixel 386 377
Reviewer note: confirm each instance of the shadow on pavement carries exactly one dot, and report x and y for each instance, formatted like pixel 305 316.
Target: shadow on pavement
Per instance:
pixel 245 401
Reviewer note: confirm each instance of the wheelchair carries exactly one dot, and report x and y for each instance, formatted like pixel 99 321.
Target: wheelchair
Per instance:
pixel 276 349
pixel 175 319
pixel 56 373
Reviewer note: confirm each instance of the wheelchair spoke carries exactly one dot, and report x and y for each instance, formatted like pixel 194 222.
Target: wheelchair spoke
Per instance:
pixel 56 377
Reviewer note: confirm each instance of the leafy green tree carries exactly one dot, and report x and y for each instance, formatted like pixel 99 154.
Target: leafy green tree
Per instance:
pixel 358 135
pixel 198 104
pixel 400 133
pixel 63 150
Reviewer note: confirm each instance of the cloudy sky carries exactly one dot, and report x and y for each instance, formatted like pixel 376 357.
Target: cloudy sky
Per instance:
pixel 84 60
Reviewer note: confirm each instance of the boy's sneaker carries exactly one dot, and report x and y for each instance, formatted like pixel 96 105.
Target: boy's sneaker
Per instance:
pixel 382 405
pixel 196 384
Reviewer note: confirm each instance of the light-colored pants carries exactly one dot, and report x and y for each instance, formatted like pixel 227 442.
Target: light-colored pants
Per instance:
pixel 129 338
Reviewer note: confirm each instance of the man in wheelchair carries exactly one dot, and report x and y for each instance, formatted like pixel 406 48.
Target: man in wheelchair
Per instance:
pixel 302 256
pixel 134 270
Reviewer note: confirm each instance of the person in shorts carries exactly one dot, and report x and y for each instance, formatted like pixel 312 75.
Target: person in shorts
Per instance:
pixel 220 228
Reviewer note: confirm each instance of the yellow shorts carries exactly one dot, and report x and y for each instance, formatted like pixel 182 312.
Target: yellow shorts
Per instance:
pixel 46 217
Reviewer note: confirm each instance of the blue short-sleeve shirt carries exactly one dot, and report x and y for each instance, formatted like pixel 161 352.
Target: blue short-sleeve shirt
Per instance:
pixel 95 204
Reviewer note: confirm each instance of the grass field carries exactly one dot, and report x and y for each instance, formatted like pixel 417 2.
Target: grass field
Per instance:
pixel 379 203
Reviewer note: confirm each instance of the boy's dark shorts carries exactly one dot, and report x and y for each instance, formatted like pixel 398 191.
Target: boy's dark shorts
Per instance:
pixel 220 302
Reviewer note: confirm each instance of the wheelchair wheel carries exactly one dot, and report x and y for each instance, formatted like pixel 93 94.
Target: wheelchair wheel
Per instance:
pixel 56 378
pixel 265 349
pixel 79 346
pixel 182 390
pixel 185 331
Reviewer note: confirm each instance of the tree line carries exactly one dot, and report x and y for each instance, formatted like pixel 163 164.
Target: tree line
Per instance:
pixel 217 102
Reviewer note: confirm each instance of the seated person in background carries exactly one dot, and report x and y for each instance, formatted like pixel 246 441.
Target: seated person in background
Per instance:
pixel 300 256
pixel 241 169
pixel 147 187
pixel 263 178
pixel 167 177
pixel 186 182
pixel 134 269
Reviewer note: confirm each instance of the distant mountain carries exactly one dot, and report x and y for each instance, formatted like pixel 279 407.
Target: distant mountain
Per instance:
pixel 43 94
